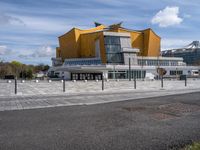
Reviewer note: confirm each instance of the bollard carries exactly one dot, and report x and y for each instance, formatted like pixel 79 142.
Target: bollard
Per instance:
pixel 102 82
pixel 15 85
pixel 134 82
pixel 63 85
pixel 129 69
pixel 185 81
pixel 162 81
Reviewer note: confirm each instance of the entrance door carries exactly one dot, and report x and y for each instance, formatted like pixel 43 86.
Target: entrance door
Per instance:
pixel 86 76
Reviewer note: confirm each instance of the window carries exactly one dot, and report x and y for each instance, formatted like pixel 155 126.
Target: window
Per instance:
pixel 112 40
pixel 176 72
pixel 125 74
pixel 113 49
pixel 114 57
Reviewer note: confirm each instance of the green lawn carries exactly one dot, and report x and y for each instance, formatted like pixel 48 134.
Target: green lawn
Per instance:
pixel 194 146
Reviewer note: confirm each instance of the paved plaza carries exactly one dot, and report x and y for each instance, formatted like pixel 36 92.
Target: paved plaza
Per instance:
pixel 33 95
pixel 56 87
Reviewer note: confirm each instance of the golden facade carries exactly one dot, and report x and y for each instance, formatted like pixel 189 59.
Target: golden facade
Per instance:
pixel 79 43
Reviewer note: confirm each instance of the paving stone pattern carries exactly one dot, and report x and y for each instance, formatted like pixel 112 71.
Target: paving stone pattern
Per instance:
pixel 33 95
pixel 56 87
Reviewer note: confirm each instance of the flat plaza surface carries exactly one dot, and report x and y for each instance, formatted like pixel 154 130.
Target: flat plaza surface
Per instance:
pixel 33 95
pixel 159 123
pixel 56 87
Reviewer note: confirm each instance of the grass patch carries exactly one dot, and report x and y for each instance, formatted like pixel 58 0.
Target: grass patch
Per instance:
pixel 194 146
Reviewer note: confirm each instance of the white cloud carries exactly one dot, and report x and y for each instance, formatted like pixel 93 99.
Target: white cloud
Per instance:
pixel 167 17
pixel 45 24
pixel 4 50
pixel 6 19
pixel 45 51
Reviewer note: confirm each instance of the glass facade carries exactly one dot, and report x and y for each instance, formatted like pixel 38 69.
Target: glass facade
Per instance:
pixel 113 49
pixel 176 72
pixel 86 76
pixel 190 56
pixel 149 62
pixel 125 74
pixel 82 62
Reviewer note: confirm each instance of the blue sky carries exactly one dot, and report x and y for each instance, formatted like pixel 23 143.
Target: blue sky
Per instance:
pixel 29 29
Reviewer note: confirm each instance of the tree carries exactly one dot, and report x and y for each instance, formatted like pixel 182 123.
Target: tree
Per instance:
pixel 18 69
pixel 16 63
pixel 41 67
pixel 17 66
pixel 29 73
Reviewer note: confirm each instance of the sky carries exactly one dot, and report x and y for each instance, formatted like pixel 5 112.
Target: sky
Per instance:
pixel 29 29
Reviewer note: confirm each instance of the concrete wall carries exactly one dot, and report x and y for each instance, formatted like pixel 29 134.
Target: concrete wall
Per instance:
pixel 133 59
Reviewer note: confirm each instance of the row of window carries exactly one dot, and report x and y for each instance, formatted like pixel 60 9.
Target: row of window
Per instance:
pixel 176 72
pixel 115 58
pixel 83 62
pixel 86 76
pixel 125 74
pixel 112 40
pixel 113 49
pixel 157 63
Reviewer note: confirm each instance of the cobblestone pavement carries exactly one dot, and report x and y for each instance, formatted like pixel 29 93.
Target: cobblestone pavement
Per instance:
pixel 56 87
pixel 44 94
pixel 20 102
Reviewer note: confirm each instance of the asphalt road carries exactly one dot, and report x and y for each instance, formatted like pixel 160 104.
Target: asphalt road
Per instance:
pixel 159 123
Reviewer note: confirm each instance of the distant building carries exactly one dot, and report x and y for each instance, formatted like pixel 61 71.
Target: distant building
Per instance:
pixel 189 53
pixel 112 51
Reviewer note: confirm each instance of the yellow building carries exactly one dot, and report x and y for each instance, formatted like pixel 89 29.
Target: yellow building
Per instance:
pixel 107 43
pixel 109 51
